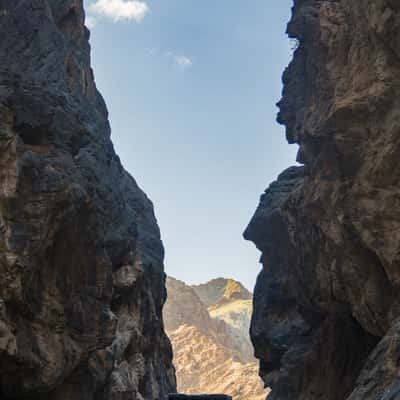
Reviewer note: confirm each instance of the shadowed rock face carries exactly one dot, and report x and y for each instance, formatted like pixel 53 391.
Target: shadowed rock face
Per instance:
pixel 81 260
pixel 327 300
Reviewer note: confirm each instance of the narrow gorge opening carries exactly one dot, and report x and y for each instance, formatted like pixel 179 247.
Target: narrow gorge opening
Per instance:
pixel 203 89
pixel 94 274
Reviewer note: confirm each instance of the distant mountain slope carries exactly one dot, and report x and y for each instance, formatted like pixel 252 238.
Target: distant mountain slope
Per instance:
pixel 208 326
pixel 237 315
pixel 184 307
pixel 221 289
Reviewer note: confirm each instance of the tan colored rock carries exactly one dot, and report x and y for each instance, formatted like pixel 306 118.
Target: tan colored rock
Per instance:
pixel 212 350
pixel 204 366
pixel 216 290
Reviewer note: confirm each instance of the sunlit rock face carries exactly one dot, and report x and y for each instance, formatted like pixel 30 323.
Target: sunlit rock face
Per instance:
pixel 199 397
pixel 327 300
pixel 209 329
pixel 81 260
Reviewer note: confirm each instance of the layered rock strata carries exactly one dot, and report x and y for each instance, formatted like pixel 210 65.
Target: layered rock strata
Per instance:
pixel 81 260
pixel 325 323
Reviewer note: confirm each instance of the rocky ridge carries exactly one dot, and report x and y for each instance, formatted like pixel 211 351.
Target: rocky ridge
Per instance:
pixel 218 290
pixel 325 321
pixel 81 260
pixel 212 350
pixel 230 302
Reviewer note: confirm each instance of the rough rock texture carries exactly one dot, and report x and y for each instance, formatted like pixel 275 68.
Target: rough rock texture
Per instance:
pixel 327 301
pixel 81 260
pixel 212 354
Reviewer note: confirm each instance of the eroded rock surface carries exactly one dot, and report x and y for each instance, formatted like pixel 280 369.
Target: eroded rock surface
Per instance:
pixel 327 300
pixel 81 260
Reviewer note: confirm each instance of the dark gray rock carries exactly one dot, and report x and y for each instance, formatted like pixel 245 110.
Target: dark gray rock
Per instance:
pixel 329 233
pixel 81 260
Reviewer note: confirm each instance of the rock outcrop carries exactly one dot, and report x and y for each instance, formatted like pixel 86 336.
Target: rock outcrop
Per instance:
pixel 325 323
pixel 81 260
pixel 212 350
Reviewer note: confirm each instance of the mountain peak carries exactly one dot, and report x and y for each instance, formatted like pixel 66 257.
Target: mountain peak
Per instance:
pixel 234 290
pixel 220 290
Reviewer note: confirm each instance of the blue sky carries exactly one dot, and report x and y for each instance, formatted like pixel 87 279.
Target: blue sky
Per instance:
pixel 191 87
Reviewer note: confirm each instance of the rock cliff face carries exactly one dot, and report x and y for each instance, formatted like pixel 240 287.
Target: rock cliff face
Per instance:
pixel 81 260
pixel 325 323
pixel 212 351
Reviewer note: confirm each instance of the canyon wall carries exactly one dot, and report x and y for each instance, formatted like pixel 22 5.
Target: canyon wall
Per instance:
pixel 81 260
pixel 325 323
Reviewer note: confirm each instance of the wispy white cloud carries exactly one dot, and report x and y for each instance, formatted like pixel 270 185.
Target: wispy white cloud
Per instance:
pixel 180 61
pixel 90 22
pixel 118 10
pixel 183 62
pixel 153 51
